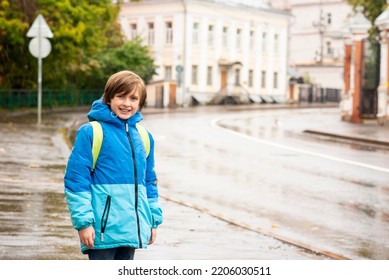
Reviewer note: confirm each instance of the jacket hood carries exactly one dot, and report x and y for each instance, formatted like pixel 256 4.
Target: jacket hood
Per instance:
pixel 101 112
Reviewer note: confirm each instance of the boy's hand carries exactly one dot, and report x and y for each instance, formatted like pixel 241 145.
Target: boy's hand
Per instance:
pixel 153 236
pixel 87 236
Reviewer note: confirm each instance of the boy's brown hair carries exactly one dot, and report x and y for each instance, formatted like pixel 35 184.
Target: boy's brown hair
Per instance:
pixel 125 82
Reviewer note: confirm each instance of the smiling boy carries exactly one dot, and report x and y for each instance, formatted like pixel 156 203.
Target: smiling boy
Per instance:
pixel 115 207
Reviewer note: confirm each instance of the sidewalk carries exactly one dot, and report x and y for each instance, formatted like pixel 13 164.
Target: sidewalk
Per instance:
pixel 368 133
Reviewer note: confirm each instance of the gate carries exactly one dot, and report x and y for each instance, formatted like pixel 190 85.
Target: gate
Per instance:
pixel 371 78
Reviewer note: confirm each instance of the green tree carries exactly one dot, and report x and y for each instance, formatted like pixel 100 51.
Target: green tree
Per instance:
pixel 371 9
pixel 81 29
pixel 130 56
pixel 15 60
pixel 84 30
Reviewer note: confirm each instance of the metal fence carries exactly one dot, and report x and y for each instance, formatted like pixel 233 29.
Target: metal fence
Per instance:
pixel 313 93
pixel 11 99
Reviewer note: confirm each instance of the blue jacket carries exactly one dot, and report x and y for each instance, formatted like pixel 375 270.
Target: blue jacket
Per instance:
pixel 120 198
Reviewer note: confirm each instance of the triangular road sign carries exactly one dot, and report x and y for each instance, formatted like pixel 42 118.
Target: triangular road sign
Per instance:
pixel 39 28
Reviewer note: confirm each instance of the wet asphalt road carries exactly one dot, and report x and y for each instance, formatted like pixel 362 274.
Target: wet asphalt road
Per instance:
pixel 258 169
pixel 35 220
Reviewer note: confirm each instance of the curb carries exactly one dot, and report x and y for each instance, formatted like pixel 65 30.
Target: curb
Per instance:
pixel 344 137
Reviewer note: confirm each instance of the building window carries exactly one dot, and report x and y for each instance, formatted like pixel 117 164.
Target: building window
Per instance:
pixel 263 79
pixel 329 48
pixel 194 75
pixel 225 37
pixel 169 32
pixel 276 44
pixel 195 33
pixel 252 40
pixel 237 77
pixel 133 31
pixel 210 35
pixel 150 33
pixel 168 72
pixel 275 80
pixel 329 18
pixel 264 42
pixel 238 38
pixel 251 78
pixel 209 76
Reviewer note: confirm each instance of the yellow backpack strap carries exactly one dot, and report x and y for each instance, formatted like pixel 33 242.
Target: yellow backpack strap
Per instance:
pixel 145 138
pixel 97 141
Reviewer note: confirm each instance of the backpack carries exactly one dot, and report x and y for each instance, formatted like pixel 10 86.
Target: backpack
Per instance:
pixel 98 140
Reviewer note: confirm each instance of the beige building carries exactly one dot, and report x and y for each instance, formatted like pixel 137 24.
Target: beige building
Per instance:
pixel 211 51
pixel 316 40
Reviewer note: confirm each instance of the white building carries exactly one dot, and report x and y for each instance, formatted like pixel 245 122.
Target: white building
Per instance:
pixel 316 41
pixel 211 48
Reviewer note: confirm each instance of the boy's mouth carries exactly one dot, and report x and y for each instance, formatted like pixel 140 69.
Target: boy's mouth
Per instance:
pixel 124 110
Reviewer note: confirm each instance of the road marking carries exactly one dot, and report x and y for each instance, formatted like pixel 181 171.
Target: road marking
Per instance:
pixel 215 124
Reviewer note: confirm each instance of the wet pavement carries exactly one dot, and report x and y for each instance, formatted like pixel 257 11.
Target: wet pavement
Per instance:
pixel 368 132
pixel 35 221
pixel 33 213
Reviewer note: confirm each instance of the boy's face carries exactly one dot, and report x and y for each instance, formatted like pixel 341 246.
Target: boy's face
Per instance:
pixel 125 105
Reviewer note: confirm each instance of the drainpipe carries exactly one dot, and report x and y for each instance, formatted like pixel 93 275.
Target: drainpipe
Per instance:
pixel 184 3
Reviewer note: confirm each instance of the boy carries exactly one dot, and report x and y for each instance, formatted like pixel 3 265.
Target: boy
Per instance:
pixel 115 206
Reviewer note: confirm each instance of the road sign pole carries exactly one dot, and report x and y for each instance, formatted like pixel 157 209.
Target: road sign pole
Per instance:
pixel 39 90
pixel 40 48
pixel 39 75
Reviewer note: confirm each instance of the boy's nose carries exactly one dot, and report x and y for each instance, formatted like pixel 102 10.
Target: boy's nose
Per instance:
pixel 127 102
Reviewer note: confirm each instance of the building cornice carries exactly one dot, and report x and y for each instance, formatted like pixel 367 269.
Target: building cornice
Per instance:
pixel 317 3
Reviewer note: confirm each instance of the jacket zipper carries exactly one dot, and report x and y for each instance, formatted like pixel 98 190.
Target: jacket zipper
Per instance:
pixel 104 218
pixel 136 183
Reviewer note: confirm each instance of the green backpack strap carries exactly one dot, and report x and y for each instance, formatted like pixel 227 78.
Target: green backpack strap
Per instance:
pixel 97 141
pixel 145 138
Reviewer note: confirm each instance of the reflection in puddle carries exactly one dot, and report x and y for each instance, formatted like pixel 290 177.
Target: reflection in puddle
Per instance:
pixel 36 225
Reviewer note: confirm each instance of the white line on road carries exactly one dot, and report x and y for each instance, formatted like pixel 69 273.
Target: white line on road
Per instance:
pixel 214 123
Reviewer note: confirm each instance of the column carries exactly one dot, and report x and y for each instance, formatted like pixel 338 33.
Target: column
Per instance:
pixel 382 22
pixel 359 27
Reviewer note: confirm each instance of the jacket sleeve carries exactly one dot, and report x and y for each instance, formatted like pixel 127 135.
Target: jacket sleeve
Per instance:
pixel 152 187
pixel 78 179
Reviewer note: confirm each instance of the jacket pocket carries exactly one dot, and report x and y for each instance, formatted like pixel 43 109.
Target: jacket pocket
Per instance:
pixel 104 218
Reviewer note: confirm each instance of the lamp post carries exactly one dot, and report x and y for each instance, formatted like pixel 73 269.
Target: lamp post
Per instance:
pixel 359 26
pixel 382 22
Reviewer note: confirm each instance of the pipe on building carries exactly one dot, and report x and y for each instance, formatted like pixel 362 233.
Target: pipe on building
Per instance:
pixel 184 3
